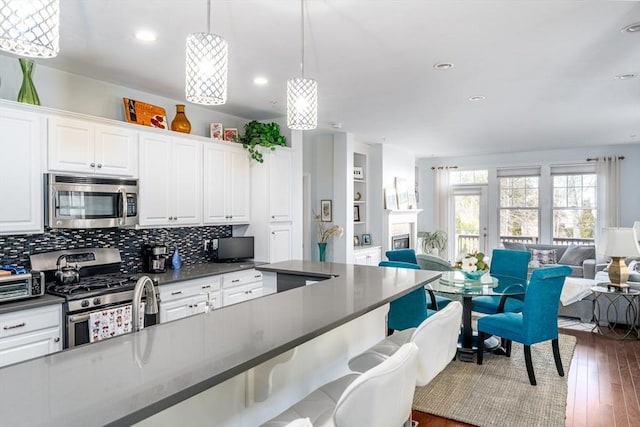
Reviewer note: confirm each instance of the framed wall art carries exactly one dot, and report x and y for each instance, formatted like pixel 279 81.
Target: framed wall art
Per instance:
pixel 356 241
pixel 215 131
pixel 366 239
pixel 231 134
pixel 144 114
pixel 390 199
pixel 356 213
pixel 326 211
pixel 358 172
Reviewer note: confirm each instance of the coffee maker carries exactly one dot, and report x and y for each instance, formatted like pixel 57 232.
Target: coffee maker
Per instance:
pixel 154 258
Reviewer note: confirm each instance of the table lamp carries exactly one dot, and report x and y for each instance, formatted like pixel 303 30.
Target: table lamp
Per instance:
pixel 619 243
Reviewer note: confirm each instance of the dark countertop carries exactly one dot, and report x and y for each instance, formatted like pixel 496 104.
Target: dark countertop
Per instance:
pixel 25 304
pixel 197 271
pixel 125 379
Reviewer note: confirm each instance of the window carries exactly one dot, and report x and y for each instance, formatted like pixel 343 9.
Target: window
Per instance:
pixel 468 177
pixel 574 208
pixel 519 205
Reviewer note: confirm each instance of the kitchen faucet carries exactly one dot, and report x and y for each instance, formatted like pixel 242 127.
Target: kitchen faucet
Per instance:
pixel 144 284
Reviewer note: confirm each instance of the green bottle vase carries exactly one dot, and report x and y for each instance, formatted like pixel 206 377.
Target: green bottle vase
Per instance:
pixel 322 251
pixel 28 93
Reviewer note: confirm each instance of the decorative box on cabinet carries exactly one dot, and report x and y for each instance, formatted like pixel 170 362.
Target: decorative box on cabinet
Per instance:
pixel 226 185
pixel 82 146
pixel 30 333
pixel 368 256
pixel 21 134
pixel 170 181
pixel 183 299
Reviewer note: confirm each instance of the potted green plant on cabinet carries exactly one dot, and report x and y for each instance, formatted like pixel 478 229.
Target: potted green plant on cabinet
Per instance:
pixel 433 242
pixel 257 134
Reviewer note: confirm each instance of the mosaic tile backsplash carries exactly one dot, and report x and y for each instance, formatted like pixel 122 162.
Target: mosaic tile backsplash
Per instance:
pixel 16 249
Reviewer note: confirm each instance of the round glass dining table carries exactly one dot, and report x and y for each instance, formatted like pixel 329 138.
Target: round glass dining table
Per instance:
pixel 455 283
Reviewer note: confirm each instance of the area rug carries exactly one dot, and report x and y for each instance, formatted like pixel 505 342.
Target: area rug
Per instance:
pixel 498 392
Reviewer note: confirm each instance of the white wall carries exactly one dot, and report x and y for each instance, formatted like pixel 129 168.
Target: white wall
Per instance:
pixel 629 174
pixel 397 163
pixel 73 92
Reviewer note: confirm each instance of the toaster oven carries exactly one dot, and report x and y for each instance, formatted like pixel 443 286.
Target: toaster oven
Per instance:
pixel 19 286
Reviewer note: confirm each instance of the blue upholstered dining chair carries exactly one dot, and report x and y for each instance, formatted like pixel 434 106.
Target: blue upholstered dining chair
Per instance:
pixel 510 268
pixel 537 322
pixel 409 255
pixel 410 310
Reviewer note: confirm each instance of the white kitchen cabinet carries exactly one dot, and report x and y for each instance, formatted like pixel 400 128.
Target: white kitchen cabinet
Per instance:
pixel 279 164
pixel 82 146
pixel 368 256
pixel 226 185
pixel 183 299
pixel 280 243
pixel 21 134
pixel 241 286
pixel 170 181
pixel 30 333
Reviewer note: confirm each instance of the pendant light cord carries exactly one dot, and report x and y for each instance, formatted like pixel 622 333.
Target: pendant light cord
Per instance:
pixel 209 16
pixel 302 32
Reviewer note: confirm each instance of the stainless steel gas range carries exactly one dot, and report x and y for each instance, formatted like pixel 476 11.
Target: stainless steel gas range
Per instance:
pixel 98 305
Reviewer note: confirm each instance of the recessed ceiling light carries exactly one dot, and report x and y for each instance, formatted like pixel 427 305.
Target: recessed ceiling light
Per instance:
pixel 477 98
pixel 443 66
pixel 260 81
pixel 146 36
pixel 633 28
pixel 626 76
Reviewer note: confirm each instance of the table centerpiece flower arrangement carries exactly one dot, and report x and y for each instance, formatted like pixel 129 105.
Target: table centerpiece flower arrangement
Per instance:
pixel 473 265
pixel 325 232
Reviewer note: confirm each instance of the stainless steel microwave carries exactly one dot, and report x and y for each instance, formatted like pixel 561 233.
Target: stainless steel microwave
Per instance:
pixel 90 202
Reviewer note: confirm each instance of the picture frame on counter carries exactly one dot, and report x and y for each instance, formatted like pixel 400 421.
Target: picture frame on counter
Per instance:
pixel 366 239
pixel 326 211
pixel 215 131
pixel 356 241
pixel 231 134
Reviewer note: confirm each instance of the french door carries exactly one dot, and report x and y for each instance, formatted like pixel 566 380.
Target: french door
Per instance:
pixel 469 223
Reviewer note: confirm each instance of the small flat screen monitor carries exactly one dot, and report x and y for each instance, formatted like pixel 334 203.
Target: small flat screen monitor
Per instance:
pixel 234 249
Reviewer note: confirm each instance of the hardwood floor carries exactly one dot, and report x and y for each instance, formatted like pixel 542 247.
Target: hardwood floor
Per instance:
pixel 603 385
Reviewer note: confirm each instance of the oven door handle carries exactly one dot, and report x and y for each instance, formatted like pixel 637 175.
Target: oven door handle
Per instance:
pixel 78 318
pixel 123 195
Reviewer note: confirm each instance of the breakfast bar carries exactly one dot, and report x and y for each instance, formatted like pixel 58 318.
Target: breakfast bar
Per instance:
pixel 127 379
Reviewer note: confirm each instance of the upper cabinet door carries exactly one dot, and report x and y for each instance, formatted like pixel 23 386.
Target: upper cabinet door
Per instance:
pixel 85 147
pixel 187 181
pixel 215 185
pixel 116 151
pixel 21 135
pixel 71 145
pixel 239 191
pixel 279 185
pixel 155 179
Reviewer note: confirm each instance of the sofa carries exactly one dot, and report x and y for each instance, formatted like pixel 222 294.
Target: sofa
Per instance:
pixel 581 258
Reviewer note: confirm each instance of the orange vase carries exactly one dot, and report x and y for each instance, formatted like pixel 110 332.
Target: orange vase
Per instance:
pixel 180 122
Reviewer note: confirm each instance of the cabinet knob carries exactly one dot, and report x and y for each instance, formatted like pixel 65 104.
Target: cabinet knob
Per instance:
pixel 170 218
pixel 56 339
pixel 93 165
pixel 99 165
pixel 273 216
pixel 175 218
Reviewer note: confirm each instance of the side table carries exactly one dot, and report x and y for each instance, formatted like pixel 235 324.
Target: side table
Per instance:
pixel 608 314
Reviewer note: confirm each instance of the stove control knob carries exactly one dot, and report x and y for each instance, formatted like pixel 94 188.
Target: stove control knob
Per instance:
pixel 85 303
pixel 97 301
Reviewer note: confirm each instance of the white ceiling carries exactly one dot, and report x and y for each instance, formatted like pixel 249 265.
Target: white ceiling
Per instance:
pixel 546 68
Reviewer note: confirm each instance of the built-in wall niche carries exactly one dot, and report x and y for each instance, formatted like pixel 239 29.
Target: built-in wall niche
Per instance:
pixel 360 207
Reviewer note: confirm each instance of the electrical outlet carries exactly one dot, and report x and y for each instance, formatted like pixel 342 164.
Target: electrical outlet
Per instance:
pixel 206 244
pixel 214 245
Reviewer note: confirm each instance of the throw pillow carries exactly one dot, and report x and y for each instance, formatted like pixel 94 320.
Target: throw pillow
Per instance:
pixel 544 256
pixel 575 255
pixel 514 246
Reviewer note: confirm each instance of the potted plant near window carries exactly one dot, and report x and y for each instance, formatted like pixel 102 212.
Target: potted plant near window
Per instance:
pixel 257 134
pixel 433 242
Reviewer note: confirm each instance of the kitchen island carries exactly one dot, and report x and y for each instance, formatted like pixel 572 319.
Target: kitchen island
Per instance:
pixel 130 378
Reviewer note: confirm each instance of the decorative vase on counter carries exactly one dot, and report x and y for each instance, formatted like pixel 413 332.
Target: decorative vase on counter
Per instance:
pixel 180 122
pixel 27 93
pixel 322 251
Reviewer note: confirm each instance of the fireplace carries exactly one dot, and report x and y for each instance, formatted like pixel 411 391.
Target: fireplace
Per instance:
pixel 400 241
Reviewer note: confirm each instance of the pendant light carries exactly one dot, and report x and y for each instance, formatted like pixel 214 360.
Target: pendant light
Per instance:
pixel 30 28
pixel 206 67
pixel 302 94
